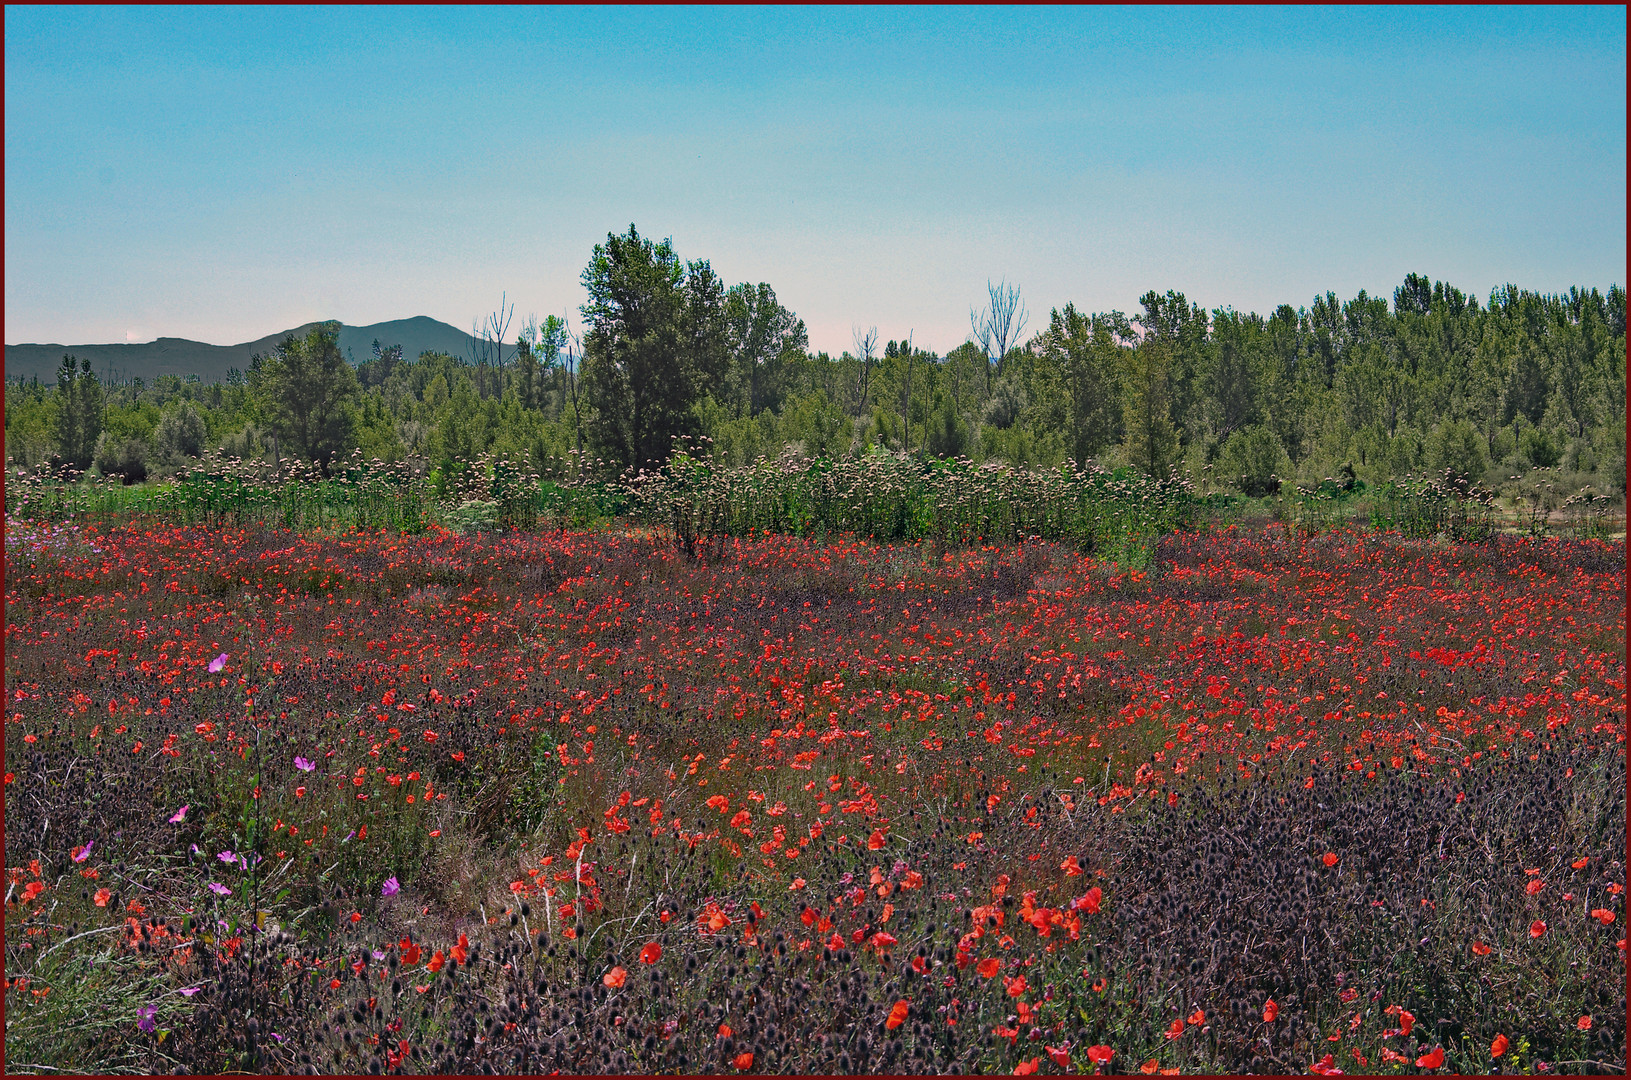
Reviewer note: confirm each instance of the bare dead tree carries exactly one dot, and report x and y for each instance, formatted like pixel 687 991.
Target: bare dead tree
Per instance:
pixel 865 345
pixel 489 342
pixel 999 326
pixel 574 350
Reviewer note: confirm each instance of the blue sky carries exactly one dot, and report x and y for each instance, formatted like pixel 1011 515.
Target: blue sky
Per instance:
pixel 222 174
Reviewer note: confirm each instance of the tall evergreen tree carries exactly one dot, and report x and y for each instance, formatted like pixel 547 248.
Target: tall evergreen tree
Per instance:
pixel 655 343
pixel 1152 440
pixel 306 388
pixel 80 404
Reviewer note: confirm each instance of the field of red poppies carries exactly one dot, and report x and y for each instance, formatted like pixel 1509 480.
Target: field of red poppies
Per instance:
pixel 591 802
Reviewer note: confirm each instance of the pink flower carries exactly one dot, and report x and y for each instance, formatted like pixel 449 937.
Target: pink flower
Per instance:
pixel 218 663
pixel 81 854
pixel 391 886
pixel 179 816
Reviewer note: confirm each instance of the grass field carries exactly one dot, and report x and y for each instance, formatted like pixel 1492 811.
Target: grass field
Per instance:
pixel 593 801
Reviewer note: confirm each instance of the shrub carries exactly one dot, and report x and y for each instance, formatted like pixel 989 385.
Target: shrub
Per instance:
pixel 1253 461
pixel 1541 447
pixel 124 457
pixel 1457 448
pixel 180 434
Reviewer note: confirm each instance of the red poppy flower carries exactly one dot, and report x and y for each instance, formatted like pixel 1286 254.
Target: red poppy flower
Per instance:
pixel 1498 1047
pixel 1176 1029
pixel 897 1015
pixel 615 978
pixel 1534 886
pixel 1602 915
pixel 1070 867
pixel 1099 1055
pixel 1432 1060
pixel 742 1062
pixel 1537 929
pixel 1197 1017
pixel 1270 1011
pixel 1584 1023
pixel 1016 986
pixel 1026 1068
pixel 1480 949
pixel 875 841
pixel 652 953
pixel 436 961
pixel 1330 858
pixel 988 967
pixel 1060 1055
pixel 1580 864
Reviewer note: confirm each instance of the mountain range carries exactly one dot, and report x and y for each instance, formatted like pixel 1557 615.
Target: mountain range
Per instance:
pixel 179 356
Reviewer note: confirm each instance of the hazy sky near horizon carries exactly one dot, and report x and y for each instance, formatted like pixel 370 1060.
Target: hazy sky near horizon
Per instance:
pixel 225 173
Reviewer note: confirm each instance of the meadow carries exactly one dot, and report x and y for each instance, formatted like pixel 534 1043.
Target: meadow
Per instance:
pixel 706 795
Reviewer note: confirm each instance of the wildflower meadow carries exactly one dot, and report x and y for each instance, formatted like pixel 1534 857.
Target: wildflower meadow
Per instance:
pixel 812 795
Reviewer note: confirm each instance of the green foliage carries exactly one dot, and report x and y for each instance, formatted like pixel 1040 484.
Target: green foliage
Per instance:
pixel 1456 451
pixel 1152 440
pixel 304 389
pixel 79 413
pixel 1080 374
pixel 656 341
pixel 948 435
pixel 1538 380
pixel 181 434
pixel 1254 461
pixel 763 339
pixel 890 496
pixel 1541 447
pixel 122 456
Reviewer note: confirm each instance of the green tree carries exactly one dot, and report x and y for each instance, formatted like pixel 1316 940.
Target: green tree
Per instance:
pixel 1456 449
pixel 181 434
pixel 538 350
pixel 1152 440
pixel 762 337
pixel 1183 327
pixel 1079 356
pixel 655 344
pixel 1253 460
pixel 948 435
pixel 304 389
pixel 1237 360
pixel 80 404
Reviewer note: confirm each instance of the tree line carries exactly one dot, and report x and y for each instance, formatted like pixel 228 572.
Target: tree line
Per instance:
pixel 1356 391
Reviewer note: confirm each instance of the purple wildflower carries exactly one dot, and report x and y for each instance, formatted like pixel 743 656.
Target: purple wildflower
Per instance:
pixel 81 854
pixel 179 816
pixel 218 663
pixel 303 765
pixel 391 886
pixel 219 890
pixel 146 1024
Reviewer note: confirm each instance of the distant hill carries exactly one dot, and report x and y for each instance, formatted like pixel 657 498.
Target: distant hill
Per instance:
pixel 179 356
